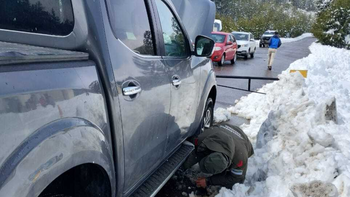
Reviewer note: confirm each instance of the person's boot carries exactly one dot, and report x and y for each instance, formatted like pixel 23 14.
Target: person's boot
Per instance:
pixel 269 67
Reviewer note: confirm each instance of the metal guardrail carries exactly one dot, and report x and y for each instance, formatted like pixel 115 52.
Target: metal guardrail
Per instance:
pixel 244 77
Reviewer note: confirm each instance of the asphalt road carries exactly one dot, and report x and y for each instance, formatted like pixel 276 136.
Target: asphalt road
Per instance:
pixel 257 67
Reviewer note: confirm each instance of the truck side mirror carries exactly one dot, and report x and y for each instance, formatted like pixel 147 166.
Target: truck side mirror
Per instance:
pixel 204 46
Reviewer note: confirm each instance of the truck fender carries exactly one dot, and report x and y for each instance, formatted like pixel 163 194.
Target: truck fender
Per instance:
pixel 210 84
pixel 52 150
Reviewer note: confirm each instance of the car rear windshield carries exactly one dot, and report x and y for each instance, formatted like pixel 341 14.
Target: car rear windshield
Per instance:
pixel 241 36
pixel 269 33
pixel 218 38
pixel 53 17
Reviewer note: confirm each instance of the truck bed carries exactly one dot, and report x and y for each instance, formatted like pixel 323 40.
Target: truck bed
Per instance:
pixel 12 53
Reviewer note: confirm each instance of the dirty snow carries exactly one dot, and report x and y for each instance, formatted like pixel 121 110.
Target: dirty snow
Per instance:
pixel 309 152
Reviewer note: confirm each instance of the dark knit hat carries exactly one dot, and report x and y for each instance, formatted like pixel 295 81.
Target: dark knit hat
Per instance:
pixel 214 163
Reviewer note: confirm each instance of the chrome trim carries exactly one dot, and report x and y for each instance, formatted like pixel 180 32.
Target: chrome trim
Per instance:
pixel 176 82
pixel 129 91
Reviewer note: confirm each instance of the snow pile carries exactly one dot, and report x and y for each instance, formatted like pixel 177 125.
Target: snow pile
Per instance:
pixel 347 39
pixel 221 115
pixel 305 35
pixel 309 153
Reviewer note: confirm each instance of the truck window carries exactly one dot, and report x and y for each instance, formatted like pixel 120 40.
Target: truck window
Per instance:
pixel 54 17
pixel 174 39
pixel 132 25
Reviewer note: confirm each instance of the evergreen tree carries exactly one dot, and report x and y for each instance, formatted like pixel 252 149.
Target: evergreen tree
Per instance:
pixel 333 24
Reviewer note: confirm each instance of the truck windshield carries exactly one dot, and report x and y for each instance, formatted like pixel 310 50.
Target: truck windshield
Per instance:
pixel 241 36
pixel 218 38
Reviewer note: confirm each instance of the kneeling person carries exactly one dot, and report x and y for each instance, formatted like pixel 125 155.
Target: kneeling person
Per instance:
pixel 222 151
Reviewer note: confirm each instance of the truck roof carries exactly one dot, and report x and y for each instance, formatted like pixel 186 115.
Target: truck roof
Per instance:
pixel 13 53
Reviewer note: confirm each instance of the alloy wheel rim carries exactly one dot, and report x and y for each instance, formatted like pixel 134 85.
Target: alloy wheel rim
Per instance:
pixel 207 118
pixel 222 59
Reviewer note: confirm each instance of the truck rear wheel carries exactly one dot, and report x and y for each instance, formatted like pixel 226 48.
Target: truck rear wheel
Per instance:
pixel 86 180
pixel 56 195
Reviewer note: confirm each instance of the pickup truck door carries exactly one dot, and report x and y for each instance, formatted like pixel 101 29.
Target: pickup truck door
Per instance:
pixel 144 86
pixel 183 75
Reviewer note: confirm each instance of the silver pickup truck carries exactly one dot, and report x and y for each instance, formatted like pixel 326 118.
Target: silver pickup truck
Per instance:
pixel 97 97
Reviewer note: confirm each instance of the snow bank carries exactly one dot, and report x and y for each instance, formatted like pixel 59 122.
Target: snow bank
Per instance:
pixel 221 115
pixel 305 35
pixel 309 154
pixel 286 40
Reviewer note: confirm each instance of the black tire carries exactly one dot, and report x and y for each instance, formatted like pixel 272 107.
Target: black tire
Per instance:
pixel 246 56
pixel 252 54
pixel 222 60
pixel 233 61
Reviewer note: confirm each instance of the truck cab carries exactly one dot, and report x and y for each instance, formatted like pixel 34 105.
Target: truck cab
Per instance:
pixel 97 97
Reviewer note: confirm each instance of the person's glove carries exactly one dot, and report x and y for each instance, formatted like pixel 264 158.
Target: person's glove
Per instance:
pixel 201 182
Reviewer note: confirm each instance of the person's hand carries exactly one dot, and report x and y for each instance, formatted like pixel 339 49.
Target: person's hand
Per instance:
pixel 201 182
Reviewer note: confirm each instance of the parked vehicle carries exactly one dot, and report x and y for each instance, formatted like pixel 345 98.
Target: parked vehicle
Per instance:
pixel 217 25
pixel 97 97
pixel 225 48
pixel 265 38
pixel 246 44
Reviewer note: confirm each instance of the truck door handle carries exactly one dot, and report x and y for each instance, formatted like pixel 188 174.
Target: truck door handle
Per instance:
pixel 131 90
pixel 176 82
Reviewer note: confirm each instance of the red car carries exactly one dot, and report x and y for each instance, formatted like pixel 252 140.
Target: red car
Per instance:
pixel 225 48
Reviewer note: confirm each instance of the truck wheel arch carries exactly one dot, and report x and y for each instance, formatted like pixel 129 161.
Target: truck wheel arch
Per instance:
pixel 210 90
pixel 52 151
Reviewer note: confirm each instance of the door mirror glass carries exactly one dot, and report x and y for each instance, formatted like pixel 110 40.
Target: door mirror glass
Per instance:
pixel 229 43
pixel 204 46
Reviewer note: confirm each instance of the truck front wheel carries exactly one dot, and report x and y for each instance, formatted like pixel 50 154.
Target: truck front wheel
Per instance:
pixel 208 115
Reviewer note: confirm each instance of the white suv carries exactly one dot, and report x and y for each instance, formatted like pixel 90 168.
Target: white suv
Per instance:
pixel 246 44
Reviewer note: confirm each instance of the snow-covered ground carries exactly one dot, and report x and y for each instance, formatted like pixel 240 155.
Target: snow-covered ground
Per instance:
pixel 305 35
pixel 286 40
pixel 309 150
